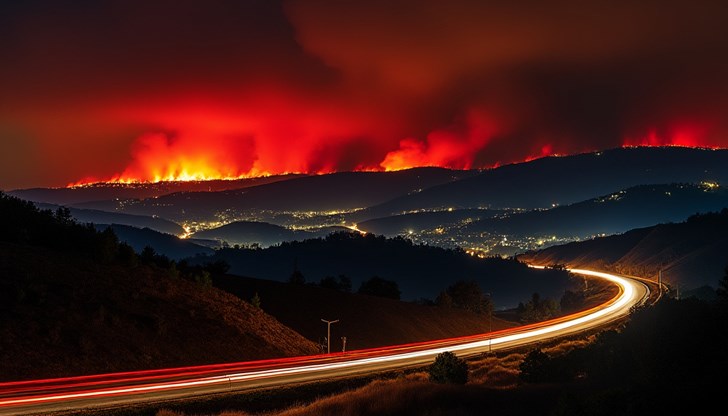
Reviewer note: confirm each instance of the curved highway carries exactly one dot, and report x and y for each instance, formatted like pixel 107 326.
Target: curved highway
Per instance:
pixel 47 396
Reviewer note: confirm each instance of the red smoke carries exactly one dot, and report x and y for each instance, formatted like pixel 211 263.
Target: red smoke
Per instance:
pixel 683 134
pixel 147 91
pixel 269 134
pixel 284 136
pixel 452 148
pixel 196 145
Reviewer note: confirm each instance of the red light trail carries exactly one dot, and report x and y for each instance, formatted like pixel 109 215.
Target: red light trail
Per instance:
pixel 109 389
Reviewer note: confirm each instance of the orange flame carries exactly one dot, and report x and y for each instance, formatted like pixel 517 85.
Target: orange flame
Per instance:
pixel 451 147
pixel 683 134
pixel 279 136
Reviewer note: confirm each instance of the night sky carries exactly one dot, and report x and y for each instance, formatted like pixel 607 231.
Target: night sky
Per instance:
pixel 148 90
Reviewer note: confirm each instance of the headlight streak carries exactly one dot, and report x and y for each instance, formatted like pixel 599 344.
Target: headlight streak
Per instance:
pixel 393 356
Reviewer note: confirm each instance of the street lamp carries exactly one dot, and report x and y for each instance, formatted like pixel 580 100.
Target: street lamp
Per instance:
pixel 328 334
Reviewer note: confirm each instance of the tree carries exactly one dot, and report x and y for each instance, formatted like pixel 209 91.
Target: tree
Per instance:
pixel 468 295
pixel 255 301
pixel 344 283
pixel 127 255
pixel 448 368
pixel 296 277
pixel 537 309
pixel 64 217
pixel 147 255
pixel 376 286
pixel 106 245
pixel 534 367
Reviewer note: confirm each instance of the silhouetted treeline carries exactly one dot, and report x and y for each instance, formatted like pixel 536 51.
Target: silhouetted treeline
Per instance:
pixel 465 294
pixel 420 271
pixel 21 222
pixel 709 217
pixel 538 309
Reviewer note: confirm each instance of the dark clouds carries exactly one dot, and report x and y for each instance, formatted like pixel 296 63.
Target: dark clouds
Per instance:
pixel 263 86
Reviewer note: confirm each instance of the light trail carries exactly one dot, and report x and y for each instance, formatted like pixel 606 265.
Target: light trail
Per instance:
pixel 44 396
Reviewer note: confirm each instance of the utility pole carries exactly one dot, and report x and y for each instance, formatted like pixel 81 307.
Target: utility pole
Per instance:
pixel 328 334
pixel 659 280
pixel 490 321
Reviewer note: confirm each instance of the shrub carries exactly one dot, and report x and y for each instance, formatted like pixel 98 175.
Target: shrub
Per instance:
pixel 255 300
pixel 534 367
pixel 448 368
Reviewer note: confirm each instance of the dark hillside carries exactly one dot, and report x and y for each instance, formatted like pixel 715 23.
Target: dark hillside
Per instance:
pixel 366 321
pixel 110 191
pixel 74 301
pixel 564 180
pixel 421 271
pixel 422 221
pixel 317 193
pixel 171 246
pixel 83 216
pixel 618 212
pixel 691 254
pixel 261 233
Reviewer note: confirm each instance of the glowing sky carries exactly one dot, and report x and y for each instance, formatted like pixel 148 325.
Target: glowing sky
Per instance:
pixel 146 90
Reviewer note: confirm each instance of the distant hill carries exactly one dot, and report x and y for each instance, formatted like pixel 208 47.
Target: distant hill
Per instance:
pixel 169 245
pixel 112 191
pixel 421 271
pixel 74 301
pixel 94 216
pixel 366 321
pixel 543 183
pixel 319 193
pixel 264 234
pixel 621 211
pixel 423 221
pixel 691 254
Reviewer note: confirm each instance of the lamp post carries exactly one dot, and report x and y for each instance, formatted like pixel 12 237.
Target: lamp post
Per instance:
pixel 328 334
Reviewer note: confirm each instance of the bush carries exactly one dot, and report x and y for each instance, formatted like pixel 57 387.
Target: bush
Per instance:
pixel 448 368
pixel 538 310
pixel 534 368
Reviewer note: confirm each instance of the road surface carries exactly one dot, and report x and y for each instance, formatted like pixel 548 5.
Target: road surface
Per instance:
pixel 106 390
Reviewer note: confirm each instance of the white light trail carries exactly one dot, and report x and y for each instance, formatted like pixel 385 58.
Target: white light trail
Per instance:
pixel 619 306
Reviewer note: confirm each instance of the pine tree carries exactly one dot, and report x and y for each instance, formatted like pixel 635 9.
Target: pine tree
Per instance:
pixel 255 300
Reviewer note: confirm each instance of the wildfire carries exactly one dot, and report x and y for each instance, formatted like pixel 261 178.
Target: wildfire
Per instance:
pixel 208 145
pixel 684 135
pixel 454 147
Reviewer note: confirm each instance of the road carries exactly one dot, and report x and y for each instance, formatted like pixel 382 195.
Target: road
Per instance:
pixel 106 390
